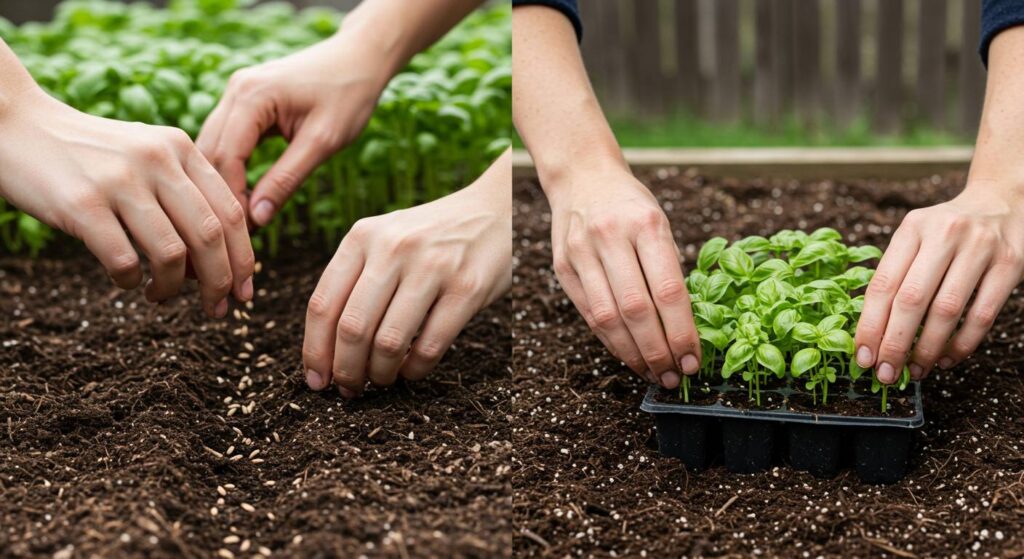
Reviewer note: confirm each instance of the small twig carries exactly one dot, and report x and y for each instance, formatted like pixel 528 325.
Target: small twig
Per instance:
pixel 726 505
pixel 537 539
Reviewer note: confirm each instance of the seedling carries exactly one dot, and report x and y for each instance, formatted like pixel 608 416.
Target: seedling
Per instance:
pixel 763 303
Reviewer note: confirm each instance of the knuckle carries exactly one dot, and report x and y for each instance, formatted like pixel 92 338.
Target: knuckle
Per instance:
pixel 892 348
pixel 603 226
pixel 948 306
pixel 282 181
pixel 234 215
pixel 576 243
pixel 562 267
pixel 658 358
pixel 881 284
pixel 429 349
pixel 467 286
pixel 389 342
pixel 960 349
pixel 123 263
pixel 172 253
pixel 955 225
pixel 604 316
pixel 222 285
pixel 670 291
pixel 926 354
pixel 154 152
pixel 179 139
pixel 361 229
pixel 352 328
pixel 651 219
pixel 1008 256
pixel 911 296
pixel 984 314
pixel 683 341
pixel 210 231
pixel 319 306
pixel 242 82
pixel 635 305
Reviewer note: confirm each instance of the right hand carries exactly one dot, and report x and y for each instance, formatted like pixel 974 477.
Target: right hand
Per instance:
pixel 617 261
pixel 319 99
pixel 93 178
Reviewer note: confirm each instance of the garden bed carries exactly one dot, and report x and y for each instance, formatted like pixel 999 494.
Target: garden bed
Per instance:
pixel 117 437
pixel 589 479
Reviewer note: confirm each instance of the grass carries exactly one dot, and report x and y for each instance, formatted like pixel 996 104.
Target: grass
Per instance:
pixel 687 131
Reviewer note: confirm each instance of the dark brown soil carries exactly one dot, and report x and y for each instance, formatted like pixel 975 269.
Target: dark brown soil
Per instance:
pixel 589 480
pixel 739 399
pixel 117 429
pixel 899 406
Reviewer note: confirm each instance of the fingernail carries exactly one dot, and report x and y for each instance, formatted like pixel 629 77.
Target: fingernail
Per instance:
pixel 864 356
pixel 689 364
pixel 945 362
pixel 347 393
pixel 916 371
pixel 669 380
pixel 247 290
pixel 886 373
pixel 314 380
pixel 263 212
pixel 221 310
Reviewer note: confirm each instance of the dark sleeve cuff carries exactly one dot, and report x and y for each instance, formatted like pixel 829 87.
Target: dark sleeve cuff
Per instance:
pixel 997 16
pixel 570 8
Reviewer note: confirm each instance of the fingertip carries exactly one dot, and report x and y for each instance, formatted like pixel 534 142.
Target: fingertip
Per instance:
pixel 347 393
pixel 917 372
pixel 221 310
pixel 315 380
pixel 245 291
pixel 886 373
pixel 670 380
pixel 946 362
pixel 865 357
pixel 262 212
pixel 689 364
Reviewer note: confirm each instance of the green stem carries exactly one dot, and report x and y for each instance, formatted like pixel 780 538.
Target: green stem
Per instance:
pixel 885 398
pixel 686 388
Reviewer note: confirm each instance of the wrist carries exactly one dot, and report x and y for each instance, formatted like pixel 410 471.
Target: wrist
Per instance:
pixel 381 46
pixel 562 183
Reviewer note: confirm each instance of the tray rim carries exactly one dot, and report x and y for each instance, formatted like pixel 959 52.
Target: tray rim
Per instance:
pixel 717 410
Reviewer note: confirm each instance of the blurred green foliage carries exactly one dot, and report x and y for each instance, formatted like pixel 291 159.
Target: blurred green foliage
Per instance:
pixel 438 125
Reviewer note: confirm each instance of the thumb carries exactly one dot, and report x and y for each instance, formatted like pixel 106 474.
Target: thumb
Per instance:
pixel 306 151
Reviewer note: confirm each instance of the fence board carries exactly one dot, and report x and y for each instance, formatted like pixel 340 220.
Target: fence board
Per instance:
pixel 931 63
pixel 766 101
pixel 645 59
pixel 806 61
pixel 889 81
pixel 726 82
pixel 687 78
pixel 972 73
pixel 848 66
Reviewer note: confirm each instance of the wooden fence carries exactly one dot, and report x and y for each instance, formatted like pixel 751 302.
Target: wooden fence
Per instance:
pixel 824 62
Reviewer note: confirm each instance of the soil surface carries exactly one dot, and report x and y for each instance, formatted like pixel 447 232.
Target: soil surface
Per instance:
pixel 131 430
pixel 587 476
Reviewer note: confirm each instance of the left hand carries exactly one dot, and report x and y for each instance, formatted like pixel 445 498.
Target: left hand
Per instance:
pixel 403 285
pixel 938 258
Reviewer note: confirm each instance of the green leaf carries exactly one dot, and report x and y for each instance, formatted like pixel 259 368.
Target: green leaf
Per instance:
pixel 831 322
pixel 862 253
pixel 774 268
pixel 784 322
pixel 811 253
pixel 746 303
pixel 717 286
pixel 836 340
pixel 771 358
pixel 855 278
pixel 855 369
pixel 736 263
pixel 715 336
pixel 804 332
pixel 804 360
pixel 737 355
pixel 769 291
pixel 200 104
pixel 138 103
pixel 826 234
pixel 829 373
pixel 904 378
pixel 710 252
pixel 710 313
pixel 753 244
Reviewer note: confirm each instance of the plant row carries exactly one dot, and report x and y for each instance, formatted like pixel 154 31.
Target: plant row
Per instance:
pixel 438 124
pixel 782 307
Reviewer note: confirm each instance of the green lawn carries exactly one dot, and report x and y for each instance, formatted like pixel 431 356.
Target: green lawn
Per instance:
pixel 685 131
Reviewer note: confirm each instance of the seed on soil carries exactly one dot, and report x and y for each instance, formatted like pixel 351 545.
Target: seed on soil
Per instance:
pixel 249 346
pixel 294 406
pixel 214 511
pixel 247 507
pixel 270 325
pixel 214 452
pixel 223 492
pixel 245 546
pixel 226 554
pixel 254 453
pixel 265 551
pixel 232 539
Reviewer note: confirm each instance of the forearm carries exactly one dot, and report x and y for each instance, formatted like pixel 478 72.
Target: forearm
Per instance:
pixel 398 29
pixel 1001 131
pixel 14 80
pixel 553 105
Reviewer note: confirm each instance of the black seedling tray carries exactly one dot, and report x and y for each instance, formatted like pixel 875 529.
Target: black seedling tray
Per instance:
pixel 751 440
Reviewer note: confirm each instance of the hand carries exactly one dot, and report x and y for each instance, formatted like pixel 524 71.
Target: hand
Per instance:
pixel 937 258
pixel 418 273
pixel 94 178
pixel 319 99
pixel 616 259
